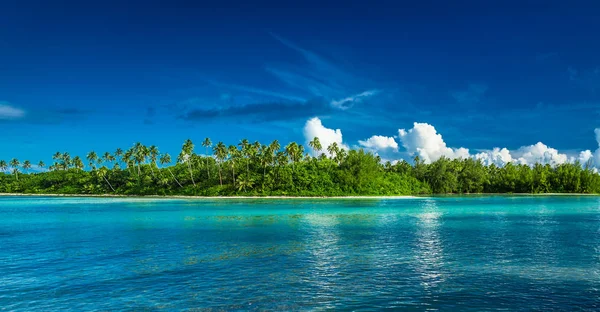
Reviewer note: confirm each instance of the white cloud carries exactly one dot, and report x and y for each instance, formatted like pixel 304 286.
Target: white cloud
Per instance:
pixel 424 141
pixel 496 156
pixel 379 142
pixel 314 128
pixel 540 153
pixel 10 112
pixel 347 102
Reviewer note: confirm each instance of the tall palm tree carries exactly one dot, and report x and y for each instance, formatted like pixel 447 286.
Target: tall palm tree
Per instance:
pixel 166 159
pixel 220 152
pixel 26 166
pixel 139 155
pixel 14 163
pixel 187 151
pixel 315 144
pixel 92 157
pixel 41 164
pixel 118 154
pixel 66 160
pixel 57 156
pixel 234 154
pixel 128 159
pixel 265 156
pixel 153 154
pixel 245 152
pixel 107 157
pixel 207 143
pixel 3 166
pixel 294 153
pixel 78 163
pixel 333 149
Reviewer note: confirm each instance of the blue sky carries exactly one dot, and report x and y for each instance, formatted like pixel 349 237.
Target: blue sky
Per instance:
pixel 80 76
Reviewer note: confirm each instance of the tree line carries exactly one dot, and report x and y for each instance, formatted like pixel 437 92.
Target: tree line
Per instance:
pixel 270 169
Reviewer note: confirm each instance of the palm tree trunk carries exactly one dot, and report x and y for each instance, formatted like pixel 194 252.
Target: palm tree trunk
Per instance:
pixel 233 173
pixel 191 175
pixel 174 178
pixel 207 168
pixel 220 176
pixel 108 183
pixel 152 169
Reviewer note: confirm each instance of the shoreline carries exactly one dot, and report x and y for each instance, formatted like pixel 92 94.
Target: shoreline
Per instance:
pixel 292 197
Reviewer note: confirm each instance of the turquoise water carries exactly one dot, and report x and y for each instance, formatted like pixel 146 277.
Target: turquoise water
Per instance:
pixel 476 253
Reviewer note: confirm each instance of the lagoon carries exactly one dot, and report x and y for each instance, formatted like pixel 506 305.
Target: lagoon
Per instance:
pixel 436 253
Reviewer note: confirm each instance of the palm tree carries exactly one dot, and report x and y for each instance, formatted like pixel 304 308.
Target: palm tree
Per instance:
pixel 139 155
pixel 243 182
pixel 102 173
pixel 234 154
pixel 118 154
pixel 78 163
pixel 57 156
pixel 41 164
pixel 66 160
pixel 315 144
pixel 3 166
pixel 294 152
pixel 220 152
pixel 166 159
pixel 187 150
pixel 341 155
pixel 333 149
pixel 14 163
pixel 107 157
pixel 26 165
pixel 153 153
pixel 207 144
pixel 92 157
pixel 266 157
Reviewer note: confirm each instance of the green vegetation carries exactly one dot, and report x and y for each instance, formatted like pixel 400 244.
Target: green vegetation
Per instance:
pixel 257 169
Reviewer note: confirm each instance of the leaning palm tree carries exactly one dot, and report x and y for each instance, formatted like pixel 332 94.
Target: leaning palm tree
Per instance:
pixel 92 157
pixel 220 154
pixel 166 159
pixel 41 164
pixel 102 173
pixel 14 163
pixel 207 144
pixel 26 166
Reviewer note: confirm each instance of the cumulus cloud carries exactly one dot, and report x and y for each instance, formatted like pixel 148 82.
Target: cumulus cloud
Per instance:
pixel 540 153
pixel 314 128
pixel 347 102
pixel 10 112
pixel 496 156
pixel 424 141
pixel 379 143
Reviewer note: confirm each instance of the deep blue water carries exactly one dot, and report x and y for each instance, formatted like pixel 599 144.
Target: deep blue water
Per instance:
pixel 475 253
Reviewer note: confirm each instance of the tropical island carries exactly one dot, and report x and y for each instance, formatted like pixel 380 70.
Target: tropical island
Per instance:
pixel 255 169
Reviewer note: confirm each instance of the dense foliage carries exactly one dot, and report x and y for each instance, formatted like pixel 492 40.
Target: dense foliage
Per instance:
pixel 256 169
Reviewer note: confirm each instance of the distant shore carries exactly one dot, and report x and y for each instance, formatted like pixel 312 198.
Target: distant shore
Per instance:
pixel 210 197
pixel 293 197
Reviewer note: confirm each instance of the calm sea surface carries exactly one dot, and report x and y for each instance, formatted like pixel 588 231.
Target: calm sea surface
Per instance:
pixel 476 253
